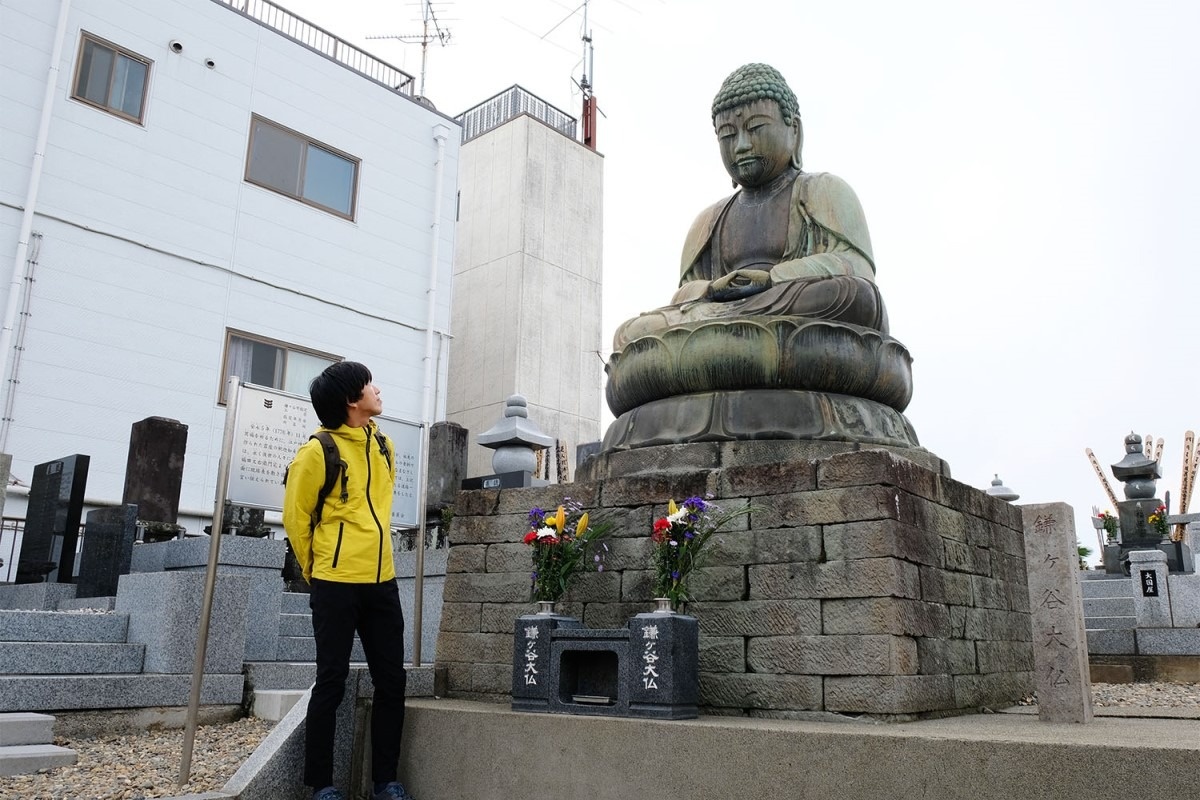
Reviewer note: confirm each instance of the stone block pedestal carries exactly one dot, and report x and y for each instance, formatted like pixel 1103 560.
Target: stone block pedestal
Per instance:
pixel 861 582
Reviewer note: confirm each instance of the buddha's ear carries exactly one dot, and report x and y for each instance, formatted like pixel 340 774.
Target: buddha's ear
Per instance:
pixel 797 159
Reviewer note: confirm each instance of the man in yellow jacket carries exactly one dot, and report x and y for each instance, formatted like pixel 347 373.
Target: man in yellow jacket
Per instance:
pixel 345 552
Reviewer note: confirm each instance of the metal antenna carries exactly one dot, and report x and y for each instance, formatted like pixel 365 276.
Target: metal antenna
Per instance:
pixel 586 86
pixel 442 35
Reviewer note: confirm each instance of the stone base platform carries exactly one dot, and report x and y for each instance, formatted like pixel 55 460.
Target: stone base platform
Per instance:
pixel 983 757
pixel 859 583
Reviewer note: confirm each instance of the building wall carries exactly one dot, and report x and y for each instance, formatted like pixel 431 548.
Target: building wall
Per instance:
pixel 526 316
pixel 150 244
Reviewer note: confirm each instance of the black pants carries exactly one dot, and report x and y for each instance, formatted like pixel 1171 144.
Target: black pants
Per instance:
pixel 338 610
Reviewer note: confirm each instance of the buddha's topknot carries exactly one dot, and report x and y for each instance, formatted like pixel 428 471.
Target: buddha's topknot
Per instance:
pixel 752 82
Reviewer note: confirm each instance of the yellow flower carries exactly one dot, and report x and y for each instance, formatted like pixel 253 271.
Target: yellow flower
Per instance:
pixel 560 519
pixel 672 508
pixel 582 526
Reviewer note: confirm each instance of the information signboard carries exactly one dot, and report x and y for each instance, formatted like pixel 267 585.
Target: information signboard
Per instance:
pixel 271 427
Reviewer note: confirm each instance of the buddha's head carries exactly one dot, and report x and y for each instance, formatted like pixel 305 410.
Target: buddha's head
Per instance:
pixel 757 121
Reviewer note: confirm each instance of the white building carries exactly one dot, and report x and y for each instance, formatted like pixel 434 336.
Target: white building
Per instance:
pixel 193 187
pixel 527 274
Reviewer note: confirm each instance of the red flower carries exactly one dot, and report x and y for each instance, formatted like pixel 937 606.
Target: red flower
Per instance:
pixel 530 537
pixel 661 525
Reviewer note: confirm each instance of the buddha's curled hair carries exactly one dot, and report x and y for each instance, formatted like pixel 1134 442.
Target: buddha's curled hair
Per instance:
pixel 751 82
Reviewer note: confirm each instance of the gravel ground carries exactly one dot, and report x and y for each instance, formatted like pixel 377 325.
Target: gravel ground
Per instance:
pixel 142 765
pixel 146 765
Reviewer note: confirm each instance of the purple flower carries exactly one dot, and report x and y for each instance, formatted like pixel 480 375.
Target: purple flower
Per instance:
pixel 536 515
pixel 690 535
pixel 675 575
pixel 696 504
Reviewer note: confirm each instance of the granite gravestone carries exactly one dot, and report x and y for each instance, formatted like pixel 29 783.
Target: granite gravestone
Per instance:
pixel 107 550
pixel 154 474
pixel 1064 686
pixel 52 520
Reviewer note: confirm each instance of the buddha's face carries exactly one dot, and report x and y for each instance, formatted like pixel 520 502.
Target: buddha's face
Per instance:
pixel 756 144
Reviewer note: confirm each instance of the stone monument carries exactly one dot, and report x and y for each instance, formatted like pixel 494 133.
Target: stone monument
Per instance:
pixel 1140 474
pixel 863 580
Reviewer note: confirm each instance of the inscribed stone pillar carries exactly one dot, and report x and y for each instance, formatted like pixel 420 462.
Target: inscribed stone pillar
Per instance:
pixel 1063 682
pixel 52 520
pixel 154 468
pixel 447 465
pixel 107 550
pixel 1151 601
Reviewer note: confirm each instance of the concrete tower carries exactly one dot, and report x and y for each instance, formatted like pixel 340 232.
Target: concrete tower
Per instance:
pixel 525 317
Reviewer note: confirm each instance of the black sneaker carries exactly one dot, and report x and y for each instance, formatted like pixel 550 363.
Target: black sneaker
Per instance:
pixel 393 791
pixel 329 793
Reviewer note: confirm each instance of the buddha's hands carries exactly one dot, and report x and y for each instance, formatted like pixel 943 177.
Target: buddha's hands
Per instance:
pixel 739 283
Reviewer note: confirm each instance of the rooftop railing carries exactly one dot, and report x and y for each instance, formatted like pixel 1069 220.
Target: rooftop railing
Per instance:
pixel 512 102
pixel 319 40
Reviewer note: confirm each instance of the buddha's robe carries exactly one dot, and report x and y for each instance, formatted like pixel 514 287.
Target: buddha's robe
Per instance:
pixel 823 266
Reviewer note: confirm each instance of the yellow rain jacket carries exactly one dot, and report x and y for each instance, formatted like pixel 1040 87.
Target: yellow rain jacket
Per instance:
pixel 352 543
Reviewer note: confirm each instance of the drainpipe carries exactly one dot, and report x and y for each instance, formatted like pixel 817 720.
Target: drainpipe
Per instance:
pixel 440 134
pixel 16 284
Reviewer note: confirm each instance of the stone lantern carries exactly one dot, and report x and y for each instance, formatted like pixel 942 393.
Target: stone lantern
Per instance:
pixel 515 438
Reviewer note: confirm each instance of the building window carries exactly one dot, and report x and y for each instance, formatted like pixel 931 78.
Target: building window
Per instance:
pixel 293 164
pixel 271 363
pixel 111 78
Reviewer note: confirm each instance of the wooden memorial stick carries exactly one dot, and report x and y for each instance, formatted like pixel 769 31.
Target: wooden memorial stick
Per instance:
pixel 1191 479
pixel 1158 448
pixel 1103 480
pixel 1185 483
pixel 1148 444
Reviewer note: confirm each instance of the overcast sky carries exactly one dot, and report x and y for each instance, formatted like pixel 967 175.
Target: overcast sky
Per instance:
pixel 1028 171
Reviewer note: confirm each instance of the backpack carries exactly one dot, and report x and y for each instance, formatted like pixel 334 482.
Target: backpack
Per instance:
pixel 334 464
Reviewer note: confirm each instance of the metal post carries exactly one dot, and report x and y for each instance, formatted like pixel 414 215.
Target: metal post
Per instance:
pixel 233 396
pixel 419 569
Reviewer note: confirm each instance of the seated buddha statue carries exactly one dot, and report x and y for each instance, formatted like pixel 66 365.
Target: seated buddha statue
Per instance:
pixel 777 294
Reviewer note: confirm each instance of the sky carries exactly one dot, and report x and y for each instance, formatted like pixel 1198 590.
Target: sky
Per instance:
pixel 1028 170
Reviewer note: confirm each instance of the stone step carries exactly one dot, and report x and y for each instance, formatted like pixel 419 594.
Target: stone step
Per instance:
pixel 69 658
pixel 295 603
pixel 90 603
pixel 295 625
pixel 304 648
pixel 270 675
pixel 23 759
pixel 1168 641
pixel 1111 642
pixel 77 692
pixel 62 626
pixel 1110 623
pixel 274 704
pixel 1108 607
pixel 279 675
pixel 26 728
pixel 1117 587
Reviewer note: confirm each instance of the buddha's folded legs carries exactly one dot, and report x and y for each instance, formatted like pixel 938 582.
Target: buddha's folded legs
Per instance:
pixel 841 298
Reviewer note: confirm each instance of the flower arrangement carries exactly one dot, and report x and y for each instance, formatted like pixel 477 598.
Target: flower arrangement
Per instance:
pixel 1158 520
pixel 1109 523
pixel 561 542
pixel 679 539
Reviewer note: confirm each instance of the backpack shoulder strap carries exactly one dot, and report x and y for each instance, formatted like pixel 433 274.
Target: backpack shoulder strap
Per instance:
pixel 383 446
pixel 334 464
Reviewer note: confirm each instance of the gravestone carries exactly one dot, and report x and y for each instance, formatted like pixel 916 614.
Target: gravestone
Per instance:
pixel 1064 685
pixel 1151 599
pixel 154 468
pixel 107 550
pixel 52 520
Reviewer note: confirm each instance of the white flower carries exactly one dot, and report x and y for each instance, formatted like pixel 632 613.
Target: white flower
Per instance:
pixel 678 515
pixel 547 533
